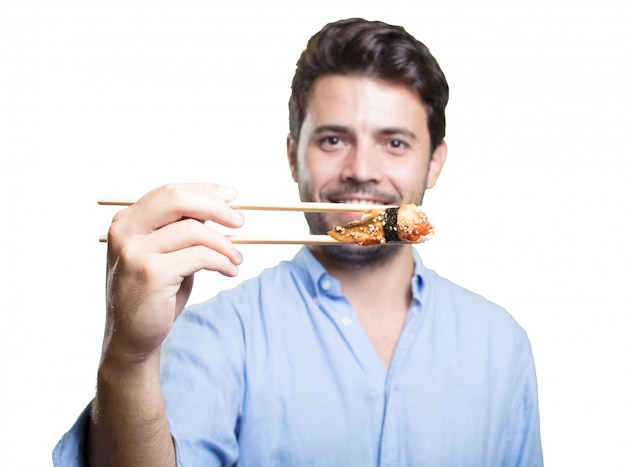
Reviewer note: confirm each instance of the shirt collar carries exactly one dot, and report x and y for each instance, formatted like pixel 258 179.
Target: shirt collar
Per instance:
pixel 320 278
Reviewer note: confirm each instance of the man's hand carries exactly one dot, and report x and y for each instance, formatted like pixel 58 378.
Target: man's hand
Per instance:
pixel 154 248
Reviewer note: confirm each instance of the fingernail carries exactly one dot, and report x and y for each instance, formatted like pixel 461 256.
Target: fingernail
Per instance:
pixel 238 257
pixel 237 216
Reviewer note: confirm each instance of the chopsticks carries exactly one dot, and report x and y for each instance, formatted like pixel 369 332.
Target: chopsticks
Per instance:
pixel 294 207
pixel 268 240
pixel 274 240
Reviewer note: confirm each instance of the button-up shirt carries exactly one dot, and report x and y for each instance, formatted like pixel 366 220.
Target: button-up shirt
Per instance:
pixel 279 372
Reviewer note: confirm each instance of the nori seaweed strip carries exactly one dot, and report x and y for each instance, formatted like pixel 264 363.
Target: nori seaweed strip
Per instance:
pixel 390 225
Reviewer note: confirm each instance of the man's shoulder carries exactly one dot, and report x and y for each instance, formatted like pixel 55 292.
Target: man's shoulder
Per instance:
pixel 443 286
pixel 454 301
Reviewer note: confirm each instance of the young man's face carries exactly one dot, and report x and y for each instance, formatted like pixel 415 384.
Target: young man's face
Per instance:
pixel 362 141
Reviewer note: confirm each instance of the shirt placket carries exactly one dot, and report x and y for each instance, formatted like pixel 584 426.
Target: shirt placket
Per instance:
pixel 391 436
pixel 338 309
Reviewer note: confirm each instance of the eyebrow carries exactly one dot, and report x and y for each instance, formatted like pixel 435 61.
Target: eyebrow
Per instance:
pixel 332 129
pixel 397 131
pixel 383 131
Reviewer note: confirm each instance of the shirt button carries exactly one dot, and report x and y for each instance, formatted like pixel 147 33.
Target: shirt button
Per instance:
pixel 325 284
pixel 346 321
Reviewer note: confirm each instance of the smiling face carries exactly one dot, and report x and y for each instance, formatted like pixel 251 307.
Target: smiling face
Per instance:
pixel 363 141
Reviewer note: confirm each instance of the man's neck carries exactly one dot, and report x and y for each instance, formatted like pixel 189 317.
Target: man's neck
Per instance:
pixel 380 295
pixel 392 275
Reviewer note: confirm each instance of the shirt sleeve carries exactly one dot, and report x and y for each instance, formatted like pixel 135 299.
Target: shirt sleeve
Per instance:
pixel 70 450
pixel 201 374
pixel 202 382
pixel 524 440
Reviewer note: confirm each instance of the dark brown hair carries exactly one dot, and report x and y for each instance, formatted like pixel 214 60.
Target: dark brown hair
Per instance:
pixel 376 50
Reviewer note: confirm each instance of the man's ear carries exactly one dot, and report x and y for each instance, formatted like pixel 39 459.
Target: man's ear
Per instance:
pixel 292 155
pixel 437 160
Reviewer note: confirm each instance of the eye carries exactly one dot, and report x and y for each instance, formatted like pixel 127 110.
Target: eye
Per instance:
pixel 397 146
pixel 331 142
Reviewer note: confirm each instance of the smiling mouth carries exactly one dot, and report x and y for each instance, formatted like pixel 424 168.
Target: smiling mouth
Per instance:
pixel 357 201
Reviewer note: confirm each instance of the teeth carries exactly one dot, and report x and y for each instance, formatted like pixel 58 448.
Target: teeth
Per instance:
pixel 356 201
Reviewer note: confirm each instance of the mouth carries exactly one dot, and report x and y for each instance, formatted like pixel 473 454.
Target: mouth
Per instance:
pixel 358 201
pixel 361 194
pixel 361 200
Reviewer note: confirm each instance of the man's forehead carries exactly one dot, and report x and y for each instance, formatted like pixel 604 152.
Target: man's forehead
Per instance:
pixel 346 101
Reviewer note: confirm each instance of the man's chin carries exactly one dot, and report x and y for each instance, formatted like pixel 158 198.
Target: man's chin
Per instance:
pixel 357 255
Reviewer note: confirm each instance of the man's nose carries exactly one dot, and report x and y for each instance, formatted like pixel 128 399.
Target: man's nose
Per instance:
pixel 361 164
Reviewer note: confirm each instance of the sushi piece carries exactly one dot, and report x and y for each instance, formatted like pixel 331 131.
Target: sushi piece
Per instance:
pixel 401 224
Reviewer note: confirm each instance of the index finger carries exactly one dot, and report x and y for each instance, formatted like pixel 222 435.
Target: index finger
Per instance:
pixel 173 202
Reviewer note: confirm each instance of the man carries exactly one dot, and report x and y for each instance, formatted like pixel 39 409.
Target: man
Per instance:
pixel 343 356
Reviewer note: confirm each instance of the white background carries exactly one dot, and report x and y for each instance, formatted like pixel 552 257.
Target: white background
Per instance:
pixel 112 98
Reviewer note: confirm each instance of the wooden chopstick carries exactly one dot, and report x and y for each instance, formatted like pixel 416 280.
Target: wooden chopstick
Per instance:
pixel 301 207
pixel 268 240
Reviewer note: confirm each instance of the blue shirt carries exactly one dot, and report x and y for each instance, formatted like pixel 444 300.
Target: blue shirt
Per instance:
pixel 279 372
